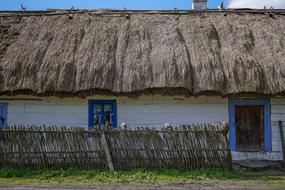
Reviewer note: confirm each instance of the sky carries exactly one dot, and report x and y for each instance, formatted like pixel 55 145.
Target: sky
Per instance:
pixel 95 4
pixel 277 4
pixel 132 4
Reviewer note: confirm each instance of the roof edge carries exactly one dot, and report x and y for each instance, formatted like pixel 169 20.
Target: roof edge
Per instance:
pixel 115 11
pixel 151 91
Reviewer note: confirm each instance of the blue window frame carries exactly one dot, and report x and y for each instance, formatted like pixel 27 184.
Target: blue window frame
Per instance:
pixel 3 114
pixel 101 112
pixel 267 120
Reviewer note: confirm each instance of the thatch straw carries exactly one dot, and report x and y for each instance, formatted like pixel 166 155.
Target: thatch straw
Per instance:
pixel 221 53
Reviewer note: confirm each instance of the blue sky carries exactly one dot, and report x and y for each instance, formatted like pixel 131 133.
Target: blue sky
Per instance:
pixel 95 4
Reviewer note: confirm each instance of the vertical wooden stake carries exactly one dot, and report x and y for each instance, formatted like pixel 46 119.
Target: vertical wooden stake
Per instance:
pixel 225 131
pixel 107 151
pixel 282 138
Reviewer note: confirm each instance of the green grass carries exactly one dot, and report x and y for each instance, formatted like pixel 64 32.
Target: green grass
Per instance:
pixel 21 176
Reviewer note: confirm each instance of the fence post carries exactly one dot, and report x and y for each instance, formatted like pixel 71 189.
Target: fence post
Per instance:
pixel 225 131
pixel 107 151
pixel 282 138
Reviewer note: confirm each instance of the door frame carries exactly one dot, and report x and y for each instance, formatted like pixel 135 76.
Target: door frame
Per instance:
pixel 4 112
pixel 267 120
pixel 91 111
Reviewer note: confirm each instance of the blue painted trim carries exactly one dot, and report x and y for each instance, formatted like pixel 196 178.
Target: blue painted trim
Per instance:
pixel 267 120
pixel 267 128
pixel 232 131
pixel 102 102
pixel 90 114
pixel 4 113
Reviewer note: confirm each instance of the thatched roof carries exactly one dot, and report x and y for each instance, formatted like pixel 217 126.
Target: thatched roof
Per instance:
pixel 193 53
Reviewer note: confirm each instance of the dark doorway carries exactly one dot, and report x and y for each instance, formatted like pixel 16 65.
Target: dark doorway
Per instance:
pixel 249 128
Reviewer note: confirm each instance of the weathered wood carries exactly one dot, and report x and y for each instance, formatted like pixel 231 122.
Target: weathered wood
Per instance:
pixel 107 151
pixel 186 147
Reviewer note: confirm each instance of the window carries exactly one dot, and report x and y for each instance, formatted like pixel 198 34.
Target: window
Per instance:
pixel 102 112
pixel 250 124
pixel 3 114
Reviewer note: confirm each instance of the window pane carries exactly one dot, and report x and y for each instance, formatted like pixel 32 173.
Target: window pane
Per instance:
pixel 97 114
pixel 108 114
pixel 108 108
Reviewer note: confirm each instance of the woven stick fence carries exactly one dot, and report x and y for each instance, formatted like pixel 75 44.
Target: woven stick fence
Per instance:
pixel 186 147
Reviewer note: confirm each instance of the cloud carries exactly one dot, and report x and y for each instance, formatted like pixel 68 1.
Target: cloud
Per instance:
pixel 277 4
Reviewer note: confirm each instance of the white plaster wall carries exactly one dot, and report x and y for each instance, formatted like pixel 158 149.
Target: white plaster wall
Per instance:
pixel 155 111
pixel 277 114
pixel 152 111
pixel 48 111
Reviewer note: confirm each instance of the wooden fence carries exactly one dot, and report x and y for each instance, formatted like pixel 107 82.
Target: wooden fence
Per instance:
pixel 185 147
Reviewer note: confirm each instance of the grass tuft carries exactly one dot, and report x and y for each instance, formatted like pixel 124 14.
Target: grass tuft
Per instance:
pixel 137 176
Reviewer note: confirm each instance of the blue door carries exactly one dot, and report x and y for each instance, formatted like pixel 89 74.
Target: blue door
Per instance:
pixel 102 112
pixel 250 120
pixel 3 114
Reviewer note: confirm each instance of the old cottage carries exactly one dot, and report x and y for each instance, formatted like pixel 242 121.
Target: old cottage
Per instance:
pixel 148 68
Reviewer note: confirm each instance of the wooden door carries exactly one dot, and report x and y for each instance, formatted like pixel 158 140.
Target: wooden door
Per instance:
pixel 249 128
